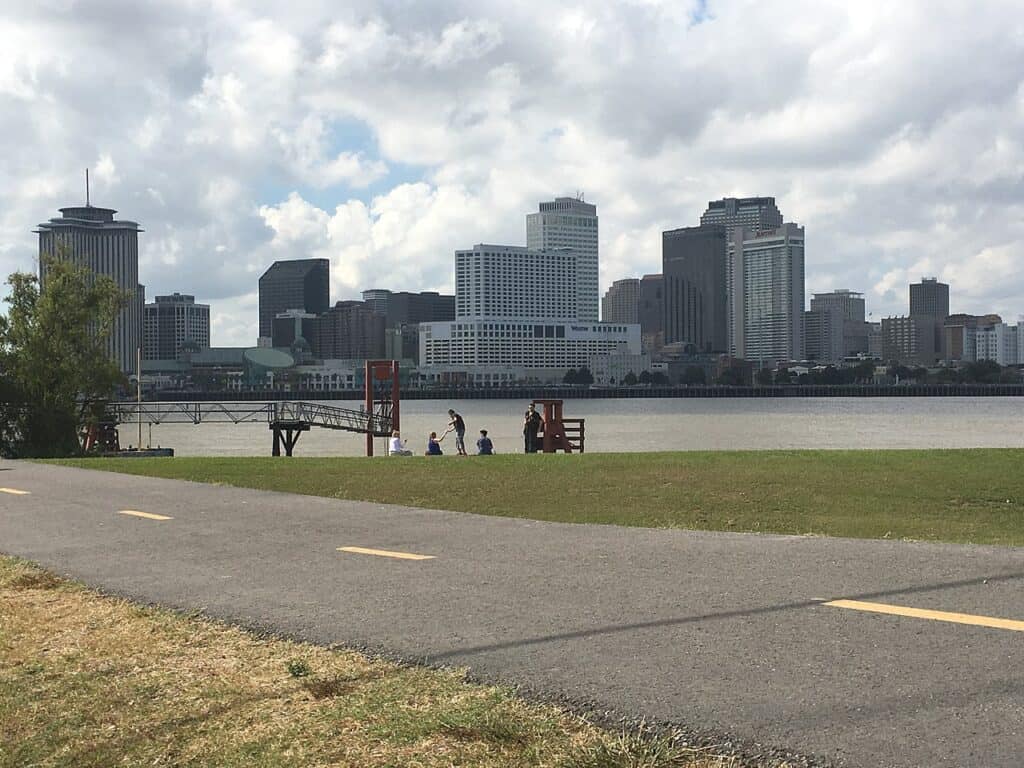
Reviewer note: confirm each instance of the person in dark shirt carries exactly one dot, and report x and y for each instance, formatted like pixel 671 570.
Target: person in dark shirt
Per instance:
pixel 459 426
pixel 531 425
pixel 434 445
pixel 484 446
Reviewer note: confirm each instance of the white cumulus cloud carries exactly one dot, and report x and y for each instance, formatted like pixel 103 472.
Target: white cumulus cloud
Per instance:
pixel 383 134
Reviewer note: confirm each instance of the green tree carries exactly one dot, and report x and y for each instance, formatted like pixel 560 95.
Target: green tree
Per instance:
pixel 732 376
pixel 645 377
pixel 571 377
pixel 1009 376
pixel 630 379
pixel 983 372
pixel 864 372
pixel 693 374
pixel 584 376
pixel 764 377
pixel 659 379
pixel 784 376
pixel 900 372
pixel 919 374
pixel 54 354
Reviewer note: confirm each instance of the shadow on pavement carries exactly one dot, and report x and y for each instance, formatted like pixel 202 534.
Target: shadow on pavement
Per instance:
pixel 609 630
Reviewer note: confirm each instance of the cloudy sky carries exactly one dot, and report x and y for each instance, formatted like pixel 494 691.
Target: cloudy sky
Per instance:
pixel 384 135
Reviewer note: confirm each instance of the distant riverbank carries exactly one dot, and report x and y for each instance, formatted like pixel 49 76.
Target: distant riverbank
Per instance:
pixel 599 393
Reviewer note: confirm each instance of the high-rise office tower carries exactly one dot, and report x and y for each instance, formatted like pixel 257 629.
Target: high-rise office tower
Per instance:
pixel 850 303
pixel 350 330
pixel 851 306
pixel 694 270
pixel 621 302
pixel 403 312
pixel 758 214
pixel 90 236
pixel 754 214
pixel 570 223
pixel 172 321
pixel 908 339
pixel 402 307
pixel 768 295
pixel 296 284
pixel 823 334
pixel 930 299
pixel 652 311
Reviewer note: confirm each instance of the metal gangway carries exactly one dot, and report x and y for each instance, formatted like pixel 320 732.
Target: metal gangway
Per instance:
pixel 287 419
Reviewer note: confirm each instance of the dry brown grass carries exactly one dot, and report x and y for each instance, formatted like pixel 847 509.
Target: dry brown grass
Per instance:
pixel 87 680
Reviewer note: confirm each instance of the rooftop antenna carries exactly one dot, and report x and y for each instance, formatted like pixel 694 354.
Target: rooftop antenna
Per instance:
pixel 86 187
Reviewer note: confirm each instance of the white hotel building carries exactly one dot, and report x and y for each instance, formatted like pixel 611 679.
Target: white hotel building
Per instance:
pixel 1002 343
pixel 517 318
pixel 570 223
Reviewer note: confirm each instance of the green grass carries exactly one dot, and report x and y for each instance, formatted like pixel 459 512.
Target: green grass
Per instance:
pixel 942 495
pixel 88 681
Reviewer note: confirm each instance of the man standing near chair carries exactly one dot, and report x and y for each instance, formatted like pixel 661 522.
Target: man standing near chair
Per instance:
pixel 531 425
pixel 459 426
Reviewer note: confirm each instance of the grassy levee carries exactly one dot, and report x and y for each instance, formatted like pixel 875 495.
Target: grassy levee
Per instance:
pixel 972 495
pixel 88 681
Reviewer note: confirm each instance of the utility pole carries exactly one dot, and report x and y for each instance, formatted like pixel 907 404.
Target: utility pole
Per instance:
pixel 138 389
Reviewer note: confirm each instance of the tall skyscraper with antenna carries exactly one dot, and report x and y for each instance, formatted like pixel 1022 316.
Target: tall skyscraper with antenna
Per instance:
pixel 90 236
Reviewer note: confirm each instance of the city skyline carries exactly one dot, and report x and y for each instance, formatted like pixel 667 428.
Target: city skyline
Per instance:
pixel 339 146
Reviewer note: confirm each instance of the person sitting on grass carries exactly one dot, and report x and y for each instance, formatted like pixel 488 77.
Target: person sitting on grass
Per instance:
pixel 484 446
pixel 434 444
pixel 397 445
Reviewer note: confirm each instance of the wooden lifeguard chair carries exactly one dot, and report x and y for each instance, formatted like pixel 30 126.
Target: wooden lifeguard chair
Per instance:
pixel 558 433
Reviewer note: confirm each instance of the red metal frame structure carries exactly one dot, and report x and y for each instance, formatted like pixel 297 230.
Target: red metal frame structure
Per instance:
pixel 381 399
pixel 559 433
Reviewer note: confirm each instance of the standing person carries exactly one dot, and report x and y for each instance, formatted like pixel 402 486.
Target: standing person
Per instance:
pixel 459 426
pixel 484 446
pixel 531 425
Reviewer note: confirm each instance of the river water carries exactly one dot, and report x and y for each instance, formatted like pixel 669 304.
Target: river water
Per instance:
pixel 655 425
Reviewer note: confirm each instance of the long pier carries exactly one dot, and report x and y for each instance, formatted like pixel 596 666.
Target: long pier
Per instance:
pixel 286 419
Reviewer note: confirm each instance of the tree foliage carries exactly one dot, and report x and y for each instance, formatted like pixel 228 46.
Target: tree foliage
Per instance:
pixel 732 375
pixel 53 357
pixel 693 375
pixel 659 379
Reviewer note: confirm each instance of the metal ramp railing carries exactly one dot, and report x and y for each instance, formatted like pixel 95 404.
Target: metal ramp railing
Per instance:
pixel 272 412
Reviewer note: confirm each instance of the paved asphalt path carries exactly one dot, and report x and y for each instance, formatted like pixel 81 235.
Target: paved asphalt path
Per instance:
pixel 721 633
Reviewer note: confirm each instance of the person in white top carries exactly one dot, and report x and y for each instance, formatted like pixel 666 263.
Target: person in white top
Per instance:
pixel 397 445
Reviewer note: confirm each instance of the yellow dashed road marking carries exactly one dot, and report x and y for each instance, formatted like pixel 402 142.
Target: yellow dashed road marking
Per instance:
pixel 385 553
pixel 14 491
pixel 147 515
pixel 921 613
